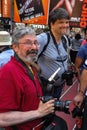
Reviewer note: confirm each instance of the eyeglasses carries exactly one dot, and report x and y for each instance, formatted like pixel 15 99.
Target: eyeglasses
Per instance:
pixel 30 43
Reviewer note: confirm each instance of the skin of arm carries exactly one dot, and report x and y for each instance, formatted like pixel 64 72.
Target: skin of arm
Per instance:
pixel 18 117
pixel 78 63
pixel 78 100
pixel 84 81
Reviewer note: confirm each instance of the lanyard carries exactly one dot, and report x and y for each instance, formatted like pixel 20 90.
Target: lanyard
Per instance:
pixel 55 43
pixel 30 74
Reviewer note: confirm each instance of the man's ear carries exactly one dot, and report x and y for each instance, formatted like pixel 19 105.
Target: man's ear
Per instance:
pixel 15 47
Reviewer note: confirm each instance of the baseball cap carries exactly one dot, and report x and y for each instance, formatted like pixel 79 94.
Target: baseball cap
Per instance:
pixel 5 38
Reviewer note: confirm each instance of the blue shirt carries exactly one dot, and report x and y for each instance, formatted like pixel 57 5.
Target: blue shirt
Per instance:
pixel 75 44
pixel 82 53
pixel 5 56
pixel 52 59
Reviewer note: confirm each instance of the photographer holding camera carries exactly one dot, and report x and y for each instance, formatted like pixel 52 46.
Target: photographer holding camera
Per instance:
pixel 20 105
pixel 81 98
pixel 53 52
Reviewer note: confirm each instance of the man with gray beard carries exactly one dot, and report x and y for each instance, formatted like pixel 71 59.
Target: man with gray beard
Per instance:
pixel 20 89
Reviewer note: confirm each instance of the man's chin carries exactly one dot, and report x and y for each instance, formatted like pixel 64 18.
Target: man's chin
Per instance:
pixel 30 60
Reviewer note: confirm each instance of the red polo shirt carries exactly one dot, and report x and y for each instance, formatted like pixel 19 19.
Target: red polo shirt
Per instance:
pixel 18 92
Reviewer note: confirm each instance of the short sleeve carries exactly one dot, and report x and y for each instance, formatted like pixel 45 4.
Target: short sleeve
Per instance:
pixel 85 64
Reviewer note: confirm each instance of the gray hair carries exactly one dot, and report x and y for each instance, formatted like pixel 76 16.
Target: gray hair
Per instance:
pixel 20 32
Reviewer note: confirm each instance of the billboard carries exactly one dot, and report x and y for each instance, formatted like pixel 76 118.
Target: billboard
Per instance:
pixel 83 17
pixel 31 11
pixel 37 11
pixel 74 8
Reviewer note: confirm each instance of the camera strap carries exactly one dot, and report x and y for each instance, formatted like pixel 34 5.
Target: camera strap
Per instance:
pixel 48 41
pixel 14 127
pixel 30 74
pixel 44 48
pixel 56 45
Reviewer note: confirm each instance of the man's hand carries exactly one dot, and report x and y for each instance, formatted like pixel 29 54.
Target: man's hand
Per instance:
pixel 46 108
pixel 78 100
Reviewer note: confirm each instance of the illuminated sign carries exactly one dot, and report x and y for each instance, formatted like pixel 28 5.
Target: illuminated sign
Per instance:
pixel 83 18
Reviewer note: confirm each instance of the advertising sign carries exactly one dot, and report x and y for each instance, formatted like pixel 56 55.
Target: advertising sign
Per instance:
pixel 74 8
pixel 83 18
pixel 31 11
pixel 37 11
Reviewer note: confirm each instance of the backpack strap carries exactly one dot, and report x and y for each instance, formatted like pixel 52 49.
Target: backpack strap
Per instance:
pixel 64 41
pixel 44 48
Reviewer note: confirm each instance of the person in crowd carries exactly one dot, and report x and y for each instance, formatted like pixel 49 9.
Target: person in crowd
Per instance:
pixel 54 54
pixel 79 66
pixel 75 45
pixel 21 107
pixel 85 40
pixel 81 97
pixel 80 58
pixel 5 47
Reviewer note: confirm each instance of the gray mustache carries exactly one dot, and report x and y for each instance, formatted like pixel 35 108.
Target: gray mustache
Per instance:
pixel 31 52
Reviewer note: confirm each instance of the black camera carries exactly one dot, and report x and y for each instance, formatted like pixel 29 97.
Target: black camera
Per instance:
pixel 59 105
pixel 77 112
pixel 68 76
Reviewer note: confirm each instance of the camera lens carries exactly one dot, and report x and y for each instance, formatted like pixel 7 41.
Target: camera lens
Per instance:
pixel 68 76
pixel 76 112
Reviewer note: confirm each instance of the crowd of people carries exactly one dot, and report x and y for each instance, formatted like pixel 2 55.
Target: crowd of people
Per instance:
pixel 27 61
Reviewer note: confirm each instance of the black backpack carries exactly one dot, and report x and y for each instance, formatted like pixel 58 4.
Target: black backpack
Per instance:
pixel 55 123
pixel 64 41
